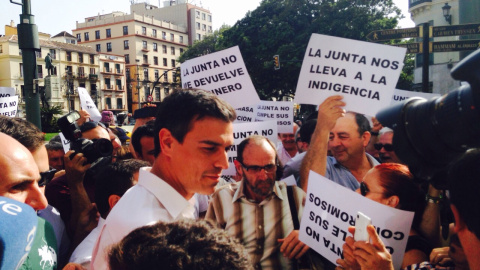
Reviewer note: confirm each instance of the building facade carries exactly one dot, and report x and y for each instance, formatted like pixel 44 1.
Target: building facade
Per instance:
pixel 150 48
pixel 440 63
pixel 74 66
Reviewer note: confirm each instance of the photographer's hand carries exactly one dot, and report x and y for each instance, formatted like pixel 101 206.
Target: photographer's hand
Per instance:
pixel 84 115
pixel 75 168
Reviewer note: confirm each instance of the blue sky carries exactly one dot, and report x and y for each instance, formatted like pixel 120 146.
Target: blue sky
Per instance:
pixel 54 16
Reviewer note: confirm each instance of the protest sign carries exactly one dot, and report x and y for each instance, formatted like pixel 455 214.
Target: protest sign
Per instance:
pixel 65 142
pixel 224 74
pixel 331 208
pixel 364 73
pixel 241 131
pixel 401 95
pixel 88 105
pixel 7 92
pixel 280 111
pixel 245 114
pixel 8 106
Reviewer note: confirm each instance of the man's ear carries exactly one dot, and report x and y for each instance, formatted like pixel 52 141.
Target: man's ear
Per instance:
pixel 166 141
pixel 238 167
pixel 366 138
pixel 112 200
pixel 459 223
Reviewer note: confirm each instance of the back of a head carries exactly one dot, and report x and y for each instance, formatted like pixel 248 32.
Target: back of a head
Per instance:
pixel 181 107
pixel 23 131
pixel 115 179
pixel 307 130
pixel 465 187
pixel 146 130
pixel 184 244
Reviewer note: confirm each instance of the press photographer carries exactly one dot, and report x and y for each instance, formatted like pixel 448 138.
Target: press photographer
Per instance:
pixel 92 147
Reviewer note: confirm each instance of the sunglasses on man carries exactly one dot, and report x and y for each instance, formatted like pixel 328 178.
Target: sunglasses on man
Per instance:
pixel 388 147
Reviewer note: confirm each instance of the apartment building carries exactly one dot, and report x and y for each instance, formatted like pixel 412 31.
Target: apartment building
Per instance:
pixel 112 83
pixel 74 66
pixel 149 46
pixel 197 20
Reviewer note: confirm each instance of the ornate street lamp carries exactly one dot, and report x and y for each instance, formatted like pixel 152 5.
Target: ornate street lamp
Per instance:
pixel 446 13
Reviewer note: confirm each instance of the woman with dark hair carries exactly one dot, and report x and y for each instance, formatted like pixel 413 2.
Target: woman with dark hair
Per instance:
pixel 392 184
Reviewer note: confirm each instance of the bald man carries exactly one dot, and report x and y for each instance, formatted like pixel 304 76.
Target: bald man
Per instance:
pixel 20 175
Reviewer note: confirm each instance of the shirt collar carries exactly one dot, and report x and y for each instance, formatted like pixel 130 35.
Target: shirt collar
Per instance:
pixel 173 202
pixel 239 193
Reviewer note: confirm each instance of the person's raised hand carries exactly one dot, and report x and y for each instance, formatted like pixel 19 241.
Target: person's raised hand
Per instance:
pixel 373 255
pixel 330 110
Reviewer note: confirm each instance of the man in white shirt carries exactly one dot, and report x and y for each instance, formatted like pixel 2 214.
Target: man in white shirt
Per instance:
pixel 194 132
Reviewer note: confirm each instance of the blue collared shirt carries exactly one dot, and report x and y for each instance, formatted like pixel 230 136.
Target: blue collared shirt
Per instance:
pixel 341 175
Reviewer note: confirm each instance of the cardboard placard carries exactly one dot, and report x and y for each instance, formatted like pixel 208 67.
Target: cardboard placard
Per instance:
pixel 88 105
pixel 245 114
pixel 364 73
pixel 9 106
pixel 331 208
pixel 7 92
pixel 224 74
pixel 280 111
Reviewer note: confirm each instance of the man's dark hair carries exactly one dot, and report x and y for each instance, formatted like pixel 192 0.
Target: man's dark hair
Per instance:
pixel 115 179
pixel 362 123
pixel 464 189
pixel 54 146
pixel 307 130
pixel 181 108
pixel 183 244
pixel 23 131
pixel 146 130
pixel 244 143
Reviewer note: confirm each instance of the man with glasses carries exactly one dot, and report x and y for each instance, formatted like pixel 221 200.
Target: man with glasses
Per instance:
pixel 346 135
pixel 384 147
pixel 256 210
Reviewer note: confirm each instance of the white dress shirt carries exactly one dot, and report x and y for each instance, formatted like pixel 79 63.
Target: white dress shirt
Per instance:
pixel 83 252
pixel 151 200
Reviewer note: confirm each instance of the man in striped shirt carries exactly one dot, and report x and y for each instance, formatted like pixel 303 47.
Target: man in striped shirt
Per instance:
pixel 256 210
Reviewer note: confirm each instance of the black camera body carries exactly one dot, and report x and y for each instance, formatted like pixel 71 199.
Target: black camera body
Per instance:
pixel 429 135
pixel 95 151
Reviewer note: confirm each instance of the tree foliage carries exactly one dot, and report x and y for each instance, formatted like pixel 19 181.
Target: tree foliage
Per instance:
pixel 284 27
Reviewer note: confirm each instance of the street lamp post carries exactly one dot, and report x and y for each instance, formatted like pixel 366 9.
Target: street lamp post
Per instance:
pixel 138 84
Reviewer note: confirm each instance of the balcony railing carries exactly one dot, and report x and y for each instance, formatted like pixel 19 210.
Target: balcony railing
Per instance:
pixel 93 77
pixel 119 87
pixel 412 3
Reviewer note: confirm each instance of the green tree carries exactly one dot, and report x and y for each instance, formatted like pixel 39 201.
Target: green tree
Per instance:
pixel 210 44
pixel 49 121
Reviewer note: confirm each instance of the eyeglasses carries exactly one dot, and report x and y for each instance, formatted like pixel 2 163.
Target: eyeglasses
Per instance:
pixel 388 147
pixel 364 189
pixel 46 177
pixel 269 168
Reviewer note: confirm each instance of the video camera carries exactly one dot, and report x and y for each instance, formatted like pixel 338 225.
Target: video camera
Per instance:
pixel 96 150
pixel 429 135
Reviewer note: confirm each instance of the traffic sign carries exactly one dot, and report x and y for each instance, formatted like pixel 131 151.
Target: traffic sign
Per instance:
pixel 411 47
pixel 455 46
pixel 379 35
pixel 455 30
pixel 149 98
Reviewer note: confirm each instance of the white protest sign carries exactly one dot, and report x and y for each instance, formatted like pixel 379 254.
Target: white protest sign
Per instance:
pixel 364 73
pixel 8 106
pixel 401 95
pixel 88 104
pixel 241 131
pixel 7 92
pixel 245 114
pixel 224 74
pixel 281 111
pixel 331 208
pixel 65 142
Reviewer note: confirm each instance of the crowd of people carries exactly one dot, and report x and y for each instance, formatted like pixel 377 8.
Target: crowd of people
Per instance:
pixel 161 202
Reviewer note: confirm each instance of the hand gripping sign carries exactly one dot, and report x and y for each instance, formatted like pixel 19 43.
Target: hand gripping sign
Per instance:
pixel 364 73
pixel 331 208
pixel 88 104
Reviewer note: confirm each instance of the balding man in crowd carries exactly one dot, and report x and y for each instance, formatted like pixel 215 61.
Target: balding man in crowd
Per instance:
pixel 257 211
pixel 346 135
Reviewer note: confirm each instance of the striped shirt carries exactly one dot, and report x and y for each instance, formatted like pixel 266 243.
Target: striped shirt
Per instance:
pixel 257 226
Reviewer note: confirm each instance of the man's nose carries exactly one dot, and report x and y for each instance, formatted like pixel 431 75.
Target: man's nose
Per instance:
pixel 36 198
